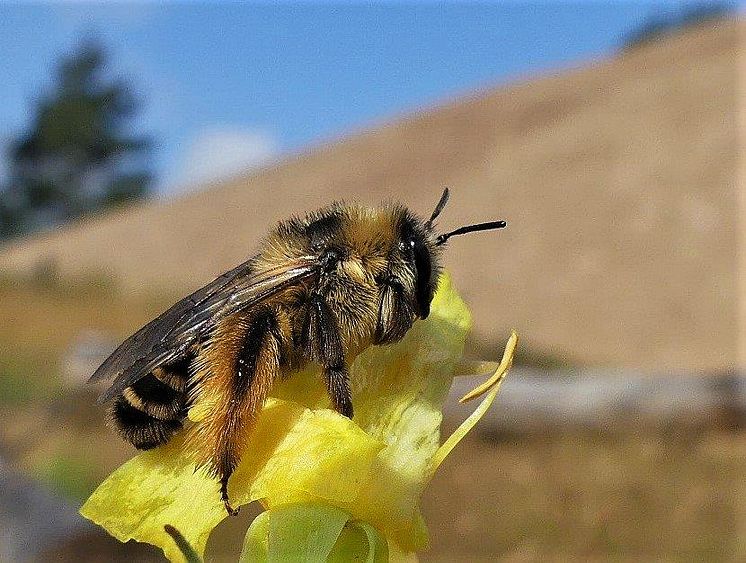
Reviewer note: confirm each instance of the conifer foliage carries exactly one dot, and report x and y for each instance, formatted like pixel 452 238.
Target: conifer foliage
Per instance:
pixel 80 152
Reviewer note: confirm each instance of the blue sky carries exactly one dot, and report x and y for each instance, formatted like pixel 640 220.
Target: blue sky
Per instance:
pixel 229 85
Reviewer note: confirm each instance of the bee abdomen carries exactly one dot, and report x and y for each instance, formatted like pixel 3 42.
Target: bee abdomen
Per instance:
pixel 156 398
pixel 152 410
pixel 141 429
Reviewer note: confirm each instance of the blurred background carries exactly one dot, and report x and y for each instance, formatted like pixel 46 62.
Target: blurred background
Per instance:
pixel 146 147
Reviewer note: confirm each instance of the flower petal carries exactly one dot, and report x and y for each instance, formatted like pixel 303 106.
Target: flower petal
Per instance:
pixel 470 368
pixel 293 452
pixel 323 456
pixel 256 542
pixel 491 387
pixel 295 532
pixel 399 391
pixel 500 372
pixel 374 468
pixel 156 488
pixel 312 532
pixel 360 542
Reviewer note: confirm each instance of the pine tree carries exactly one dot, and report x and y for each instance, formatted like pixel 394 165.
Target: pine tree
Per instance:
pixel 79 154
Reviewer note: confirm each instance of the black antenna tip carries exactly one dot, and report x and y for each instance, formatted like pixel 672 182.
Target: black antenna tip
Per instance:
pixel 470 229
pixel 439 207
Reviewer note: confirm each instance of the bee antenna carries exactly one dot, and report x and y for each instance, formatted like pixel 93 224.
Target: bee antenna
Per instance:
pixel 470 229
pixel 438 208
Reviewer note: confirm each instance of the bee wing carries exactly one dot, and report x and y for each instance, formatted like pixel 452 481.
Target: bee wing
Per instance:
pixel 169 336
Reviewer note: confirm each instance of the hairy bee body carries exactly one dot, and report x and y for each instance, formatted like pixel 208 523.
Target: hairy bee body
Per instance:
pixel 341 279
pixel 319 290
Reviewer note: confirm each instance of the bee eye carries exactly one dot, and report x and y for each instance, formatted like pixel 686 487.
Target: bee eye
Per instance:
pixel 407 244
pixel 423 269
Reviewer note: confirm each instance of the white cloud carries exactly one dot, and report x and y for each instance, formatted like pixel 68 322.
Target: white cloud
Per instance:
pixel 220 152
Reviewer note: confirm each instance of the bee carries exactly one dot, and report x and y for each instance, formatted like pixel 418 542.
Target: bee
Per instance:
pixel 319 290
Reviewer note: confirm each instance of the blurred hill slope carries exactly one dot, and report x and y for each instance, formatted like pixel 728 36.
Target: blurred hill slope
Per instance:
pixel 617 180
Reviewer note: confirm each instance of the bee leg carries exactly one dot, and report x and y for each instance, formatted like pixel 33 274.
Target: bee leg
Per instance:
pixel 224 497
pixel 236 371
pixel 338 387
pixel 395 315
pixel 323 343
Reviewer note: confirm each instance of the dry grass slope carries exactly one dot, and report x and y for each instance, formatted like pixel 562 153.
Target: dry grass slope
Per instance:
pixel 617 181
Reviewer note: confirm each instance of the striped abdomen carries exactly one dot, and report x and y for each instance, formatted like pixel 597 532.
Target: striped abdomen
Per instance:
pixel 152 410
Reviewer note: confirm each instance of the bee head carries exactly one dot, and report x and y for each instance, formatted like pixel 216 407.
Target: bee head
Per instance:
pixel 355 245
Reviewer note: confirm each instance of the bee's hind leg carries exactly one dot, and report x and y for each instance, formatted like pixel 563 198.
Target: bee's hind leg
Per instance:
pixel 224 497
pixel 243 358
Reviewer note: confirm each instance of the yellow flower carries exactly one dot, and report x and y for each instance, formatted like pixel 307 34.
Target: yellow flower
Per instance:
pixel 320 476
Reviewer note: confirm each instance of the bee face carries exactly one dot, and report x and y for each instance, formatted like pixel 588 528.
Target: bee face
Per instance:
pixel 369 250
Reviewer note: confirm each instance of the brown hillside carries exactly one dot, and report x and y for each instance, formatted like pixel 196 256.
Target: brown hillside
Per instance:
pixel 618 182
